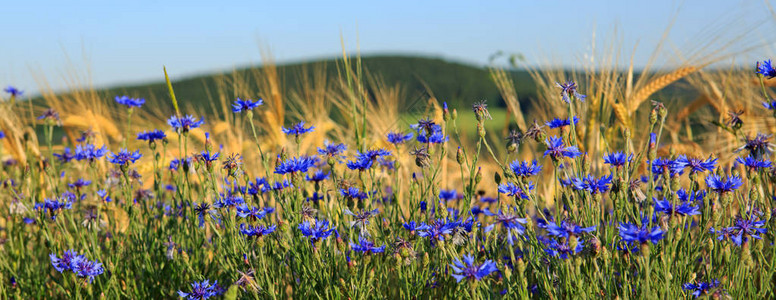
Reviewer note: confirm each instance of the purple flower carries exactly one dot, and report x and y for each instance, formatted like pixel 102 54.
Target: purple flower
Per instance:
pixel 449 195
pixel 508 221
pixel 253 213
pixel 125 157
pixel 86 269
pixel 556 149
pixel 468 269
pixel 184 124
pixel 318 176
pixel 245 105
pixel 353 193
pixel 398 137
pixel 758 146
pixel 766 69
pixel 746 228
pixel 130 102
pixel 523 169
pixel 366 246
pixel 201 290
pixel 567 89
pixel 297 129
pixel 65 263
pixel 684 208
pixel 721 186
pixel 79 184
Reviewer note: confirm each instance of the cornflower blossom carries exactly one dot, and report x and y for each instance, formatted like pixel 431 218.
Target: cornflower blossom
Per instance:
pixel 53 206
pixel 366 246
pixel 617 159
pixel 524 169
pixel 718 184
pixel 201 210
pixel 253 213
pixel 567 89
pixel 124 157
pixel 13 91
pixel 685 208
pixel 201 290
pixel 556 149
pixel 130 102
pixel 256 231
pixel 318 176
pixel 316 231
pixel 86 269
pixel 561 123
pixel 480 109
pixel 449 195
pixel 51 116
pixel 766 69
pixel 591 184
pixel 695 164
pixel 753 164
pixel 296 164
pixel 365 160
pixel 184 124
pixel 468 269
pixel 353 193
pixel 562 250
pixel 297 129
pixel 512 190
pixel 701 288
pixel 89 152
pixel 151 136
pixel 758 146
pixel 746 228
pixel 565 228
pixel 66 156
pixel 79 184
pixel 246 105
pixel 397 138
pixel 632 233
pixel 65 263
pixel 436 230
pixel 332 151
pixel 509 221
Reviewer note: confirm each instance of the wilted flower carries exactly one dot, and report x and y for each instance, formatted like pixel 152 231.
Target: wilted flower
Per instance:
pixel 51 115
pixel 758 146
pixel 480 109
pixel 567 89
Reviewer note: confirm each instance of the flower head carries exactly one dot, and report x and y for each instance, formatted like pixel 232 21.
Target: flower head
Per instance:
pixel 560 123
pixel 524 169
pixel 130 102
pixel 633 233
pixel 256 231
pixel 513 190
pixel 85 268
pixel 754 164
pixel 184 124
pixel 366 246
pixel 13 91
pixel 617 159
pixel 245 105
pixel 201 290
pixel 89 152
pixel 746 228
pixel 332 150
pixel 397 138
pixel 718 184
pixel 567 89
pixel 758 146
pixel 480 109
pixel 556 149
pixel 124 157
pixel 591 184
pixel 565 229
pixel 297 129
pixel 315 230
pixel 700 288
pixel 766 69
pixel 151 136
pixel 296 164
pixel 65 263
pixel 695 164
pixel 468 269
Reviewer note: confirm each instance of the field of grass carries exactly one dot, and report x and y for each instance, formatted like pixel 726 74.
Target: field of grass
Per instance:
pixel 344 187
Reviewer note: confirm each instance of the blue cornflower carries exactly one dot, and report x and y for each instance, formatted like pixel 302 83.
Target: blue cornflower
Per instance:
pixel 448 195
pixel 561 250
pixel 151 136
pixel 353 193
pixel 692 196
pixel 434 136
pixel 758 146
pixel 316 197
pixel 53 206
pixel 178 162
pixel 365 160
pixel 2 134
pixel 318 176
pixel 66 262
pixel 253 213
pixel 424 124
pixel 565 229
pixel 201 211
pixel 633 233
pixel 569 88
pixel 130 102
pixel 89 152
pixel 696 164
pixel 436 230
pixel 523 169
pixel 201 290
pixel 257 231
pixel 245 105
pixel 771 105
pixel 617 159
pixel 556 149
pixel 721 186
pixel 79 184
pixel 685 208
pixel 659 165
pixel 766 69
pixel 398 137
pixel 512 190
pixel 125 157
pixel 103 194
pixel 332 150
pixel 13 91
pixel 509 221
pixel 753 164
pixel 296 164
pixel 702 288
pixel 412 226
pixel 85 268
pixel 560 123
pixel 208 157
pixel 315 230
pixel 366 246
pixel 468 269
pixel 297 129
pixel 591 184
pixel 746 228
pixel 184 124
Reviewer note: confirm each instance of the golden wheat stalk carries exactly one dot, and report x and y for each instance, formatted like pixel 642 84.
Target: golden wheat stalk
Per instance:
pixel 657 84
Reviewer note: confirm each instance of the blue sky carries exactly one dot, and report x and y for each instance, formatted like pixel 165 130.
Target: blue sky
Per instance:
pixel 112 42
